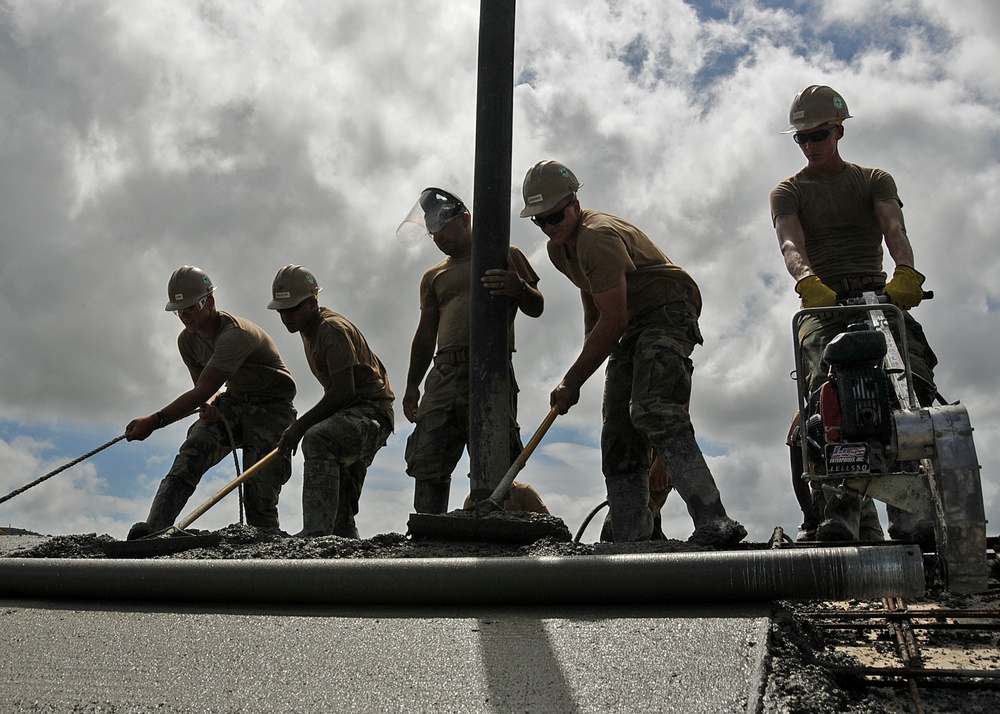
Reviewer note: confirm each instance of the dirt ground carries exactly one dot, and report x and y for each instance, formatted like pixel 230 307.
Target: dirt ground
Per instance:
pixel 803 656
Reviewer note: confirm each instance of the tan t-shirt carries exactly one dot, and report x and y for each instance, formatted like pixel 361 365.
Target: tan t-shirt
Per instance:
pixel 246 353
pixel 843 237
pixel 447 285
pixel 608 248
pixel 332 344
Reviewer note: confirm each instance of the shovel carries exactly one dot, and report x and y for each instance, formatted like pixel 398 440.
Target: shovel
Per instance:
pixel 495 501
pixel 462 525
pixel 173 539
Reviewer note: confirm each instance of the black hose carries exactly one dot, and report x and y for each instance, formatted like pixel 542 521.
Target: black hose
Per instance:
pixel 588 519
pixel 232 445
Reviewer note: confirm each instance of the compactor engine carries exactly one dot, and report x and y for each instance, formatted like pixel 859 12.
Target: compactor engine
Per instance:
pixel 864 431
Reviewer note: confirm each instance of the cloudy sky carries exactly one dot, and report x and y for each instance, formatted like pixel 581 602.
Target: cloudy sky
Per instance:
pixel 242 136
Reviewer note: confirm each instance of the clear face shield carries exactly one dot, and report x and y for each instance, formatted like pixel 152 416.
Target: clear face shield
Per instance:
pixel 435 208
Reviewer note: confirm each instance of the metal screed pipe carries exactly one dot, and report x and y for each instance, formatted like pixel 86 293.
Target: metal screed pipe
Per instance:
pixel 793 574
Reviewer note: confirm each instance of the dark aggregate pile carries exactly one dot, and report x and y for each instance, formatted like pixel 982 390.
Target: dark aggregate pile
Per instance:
pixel 241 542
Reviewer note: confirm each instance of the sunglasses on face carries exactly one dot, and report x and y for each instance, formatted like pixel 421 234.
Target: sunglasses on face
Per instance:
pixel 814 136
pixel 197 307
pixel 553 219
pixel 290 310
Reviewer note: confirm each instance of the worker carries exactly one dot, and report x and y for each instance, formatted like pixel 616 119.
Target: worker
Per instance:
pixel 342 432
pixel 221 349
pixel 831 220
pixel 522 497
pixel 442 337
pixel 641 311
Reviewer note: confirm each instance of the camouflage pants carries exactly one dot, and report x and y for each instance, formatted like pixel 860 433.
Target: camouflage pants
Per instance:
pixel 646 388
pixel 442 431
pixel 815 333
pixel 256 428
pixel 350 438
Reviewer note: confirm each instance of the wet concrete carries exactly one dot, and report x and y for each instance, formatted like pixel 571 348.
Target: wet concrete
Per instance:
pixel 92 657
pixel 75 657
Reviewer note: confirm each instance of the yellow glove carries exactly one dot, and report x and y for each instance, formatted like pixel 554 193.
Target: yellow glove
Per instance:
pixel 904 289
pixel 814 293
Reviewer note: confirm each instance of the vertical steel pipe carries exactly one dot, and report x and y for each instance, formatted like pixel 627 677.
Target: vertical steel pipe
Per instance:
pixel 489 383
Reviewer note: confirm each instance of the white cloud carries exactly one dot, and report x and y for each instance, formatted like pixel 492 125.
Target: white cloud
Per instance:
pixel 242 137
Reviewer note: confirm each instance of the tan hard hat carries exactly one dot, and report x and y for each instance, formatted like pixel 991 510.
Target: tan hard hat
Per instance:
pixel 815 105
pixel 187 286
pixel 292 285
pixel 545 185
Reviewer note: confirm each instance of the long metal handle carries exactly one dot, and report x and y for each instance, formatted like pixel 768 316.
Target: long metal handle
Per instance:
pixel 197 513
pixel 504 486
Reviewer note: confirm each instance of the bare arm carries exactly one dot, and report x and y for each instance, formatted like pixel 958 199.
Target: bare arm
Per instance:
pixel 509 283
pixel 206 384
pixel 338 395
pixel 605 316
pixel 421 354
pixel 890 222
pixel 792 241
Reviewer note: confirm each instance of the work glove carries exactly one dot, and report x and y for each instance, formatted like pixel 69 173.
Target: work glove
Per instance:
pixel 814 293
pixel 904 289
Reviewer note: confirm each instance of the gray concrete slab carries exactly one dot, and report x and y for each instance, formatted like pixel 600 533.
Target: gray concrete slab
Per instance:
pixel 83 657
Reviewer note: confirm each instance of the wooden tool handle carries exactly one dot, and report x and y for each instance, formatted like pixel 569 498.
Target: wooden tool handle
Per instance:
pixel 196 513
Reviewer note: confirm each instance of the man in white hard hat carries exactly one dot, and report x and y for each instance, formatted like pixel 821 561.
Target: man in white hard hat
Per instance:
pixel 256 407
pixel 640 312
pixel 832 219
pixel 441 343
pixel 341 434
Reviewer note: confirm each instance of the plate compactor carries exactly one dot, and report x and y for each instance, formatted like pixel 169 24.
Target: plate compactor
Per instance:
pixel 865 432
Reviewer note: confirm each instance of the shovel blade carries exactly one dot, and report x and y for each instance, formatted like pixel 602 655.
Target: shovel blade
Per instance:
pixel 158 546
pixel 461 525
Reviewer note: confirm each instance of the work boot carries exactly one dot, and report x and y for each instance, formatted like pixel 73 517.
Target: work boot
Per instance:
pixel 807 531
pixel 718 534
pixel 692 479
pixel 348 531
pixel 352 479
pixel 320 497
pixel 842 516
pixel 431 496
pixel 804 495
pixel 607 530
pixel 869 525
pixel 656 501
pixel 909 527
pixel 167 504
pixel 628 502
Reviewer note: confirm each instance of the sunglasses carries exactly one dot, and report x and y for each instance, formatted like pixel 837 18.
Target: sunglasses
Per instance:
pixel 815 136
pixel 197 307
pixel 553 219
pixel 290 310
